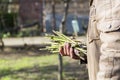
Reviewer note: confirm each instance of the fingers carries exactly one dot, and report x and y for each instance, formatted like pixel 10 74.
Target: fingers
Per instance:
pixel 72 54
pixel 65 50
pixel 67 47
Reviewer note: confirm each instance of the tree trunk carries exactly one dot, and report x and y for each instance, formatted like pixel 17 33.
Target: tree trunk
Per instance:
pixel 60 67
pixel 53 15
pixel 62 26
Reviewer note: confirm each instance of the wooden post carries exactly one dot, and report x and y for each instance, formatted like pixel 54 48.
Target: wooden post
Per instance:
pixel 62 29
pixel 60 67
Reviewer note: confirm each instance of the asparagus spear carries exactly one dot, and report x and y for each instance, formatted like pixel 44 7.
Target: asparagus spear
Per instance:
pixel 59 39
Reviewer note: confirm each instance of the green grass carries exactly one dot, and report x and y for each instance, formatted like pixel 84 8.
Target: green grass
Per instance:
pixel 26 62
pixel 16 69
pixel 37 68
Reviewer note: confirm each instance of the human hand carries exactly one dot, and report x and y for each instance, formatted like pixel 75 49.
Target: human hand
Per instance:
pixel 68 50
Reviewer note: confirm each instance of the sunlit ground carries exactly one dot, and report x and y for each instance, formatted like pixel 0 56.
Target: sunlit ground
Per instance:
pixel 27 66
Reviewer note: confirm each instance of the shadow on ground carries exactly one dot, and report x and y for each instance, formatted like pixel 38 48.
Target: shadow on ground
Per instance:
pixel 71 72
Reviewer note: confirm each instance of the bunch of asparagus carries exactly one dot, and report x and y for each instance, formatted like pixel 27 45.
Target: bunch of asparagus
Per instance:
pixel 59 39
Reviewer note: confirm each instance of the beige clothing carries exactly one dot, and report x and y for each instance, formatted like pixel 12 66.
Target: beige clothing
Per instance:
pixel 103 40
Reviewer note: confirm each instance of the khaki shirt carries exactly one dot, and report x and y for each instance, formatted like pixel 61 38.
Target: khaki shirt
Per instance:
pixel 103 40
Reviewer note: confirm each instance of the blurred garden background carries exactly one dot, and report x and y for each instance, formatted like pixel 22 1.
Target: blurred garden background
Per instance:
pixel 24 25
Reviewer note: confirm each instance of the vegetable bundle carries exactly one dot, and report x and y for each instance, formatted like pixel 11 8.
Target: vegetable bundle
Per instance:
pixel 59 39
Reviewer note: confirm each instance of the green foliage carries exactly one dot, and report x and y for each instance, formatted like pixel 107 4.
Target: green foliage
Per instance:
pixel 7 21
pixel 1 1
